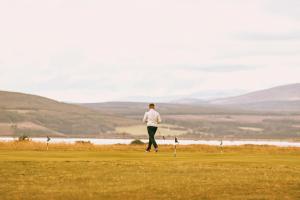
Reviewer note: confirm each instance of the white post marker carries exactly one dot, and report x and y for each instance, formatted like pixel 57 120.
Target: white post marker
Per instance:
pixel 48 140
pixel 221 146
pixel 175 143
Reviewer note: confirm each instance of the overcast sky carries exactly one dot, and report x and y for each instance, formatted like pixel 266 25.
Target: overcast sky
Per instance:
pixel 93 50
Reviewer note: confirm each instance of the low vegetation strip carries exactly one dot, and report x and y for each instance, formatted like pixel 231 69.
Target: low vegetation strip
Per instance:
pixel 87 146
pixel 86 171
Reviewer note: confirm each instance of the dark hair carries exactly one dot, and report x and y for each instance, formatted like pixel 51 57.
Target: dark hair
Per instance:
pixel 151 105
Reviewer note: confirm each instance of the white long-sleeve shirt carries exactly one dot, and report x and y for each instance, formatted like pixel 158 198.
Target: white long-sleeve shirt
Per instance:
pixel 152 118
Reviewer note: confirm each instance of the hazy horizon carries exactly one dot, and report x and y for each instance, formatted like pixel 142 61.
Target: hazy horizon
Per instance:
pixel 96 51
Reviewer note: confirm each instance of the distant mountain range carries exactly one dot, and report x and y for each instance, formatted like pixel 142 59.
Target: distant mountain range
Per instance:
pixel 267 114
pixel 196 97
pixel 281 93
pixel 35 115
pixel 277 99
pixel 282 98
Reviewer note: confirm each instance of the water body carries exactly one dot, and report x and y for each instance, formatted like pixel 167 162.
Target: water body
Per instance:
pixel 181 142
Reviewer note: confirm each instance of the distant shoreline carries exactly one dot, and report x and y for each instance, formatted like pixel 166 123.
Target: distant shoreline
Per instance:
pixel 159 137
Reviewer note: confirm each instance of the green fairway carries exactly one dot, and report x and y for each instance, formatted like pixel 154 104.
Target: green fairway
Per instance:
pixel 127 172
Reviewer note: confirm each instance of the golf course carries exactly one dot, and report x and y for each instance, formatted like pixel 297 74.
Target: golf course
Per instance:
pixel 85 171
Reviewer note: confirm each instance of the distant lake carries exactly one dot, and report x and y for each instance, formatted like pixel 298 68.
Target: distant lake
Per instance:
pixel 181 142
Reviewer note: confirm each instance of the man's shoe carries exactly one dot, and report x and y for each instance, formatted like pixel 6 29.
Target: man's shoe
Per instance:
pixel 147 151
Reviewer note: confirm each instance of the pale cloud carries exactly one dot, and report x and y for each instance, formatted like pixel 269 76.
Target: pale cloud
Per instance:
pixel 88 50
pixel 289 8
pixel 271 36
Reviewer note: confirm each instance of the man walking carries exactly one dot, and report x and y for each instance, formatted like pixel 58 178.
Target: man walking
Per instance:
pixel 152 118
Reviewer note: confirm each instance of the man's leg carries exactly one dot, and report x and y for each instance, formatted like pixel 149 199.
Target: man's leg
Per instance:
pixel 154 142
pixel 152 134
pixel 150 140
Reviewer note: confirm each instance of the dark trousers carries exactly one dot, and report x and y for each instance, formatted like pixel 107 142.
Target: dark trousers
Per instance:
pixel 151 132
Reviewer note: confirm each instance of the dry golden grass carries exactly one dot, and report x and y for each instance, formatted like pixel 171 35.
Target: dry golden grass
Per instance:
pixel 83 171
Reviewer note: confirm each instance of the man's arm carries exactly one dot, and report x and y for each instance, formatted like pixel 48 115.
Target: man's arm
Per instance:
pixel 145 119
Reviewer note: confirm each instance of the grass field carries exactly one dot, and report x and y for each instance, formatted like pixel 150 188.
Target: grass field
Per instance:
pixel 28 171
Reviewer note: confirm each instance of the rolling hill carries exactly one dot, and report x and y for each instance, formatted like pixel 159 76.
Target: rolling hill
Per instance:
pixel 286 93
pixel 34 115
pixel 277 99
